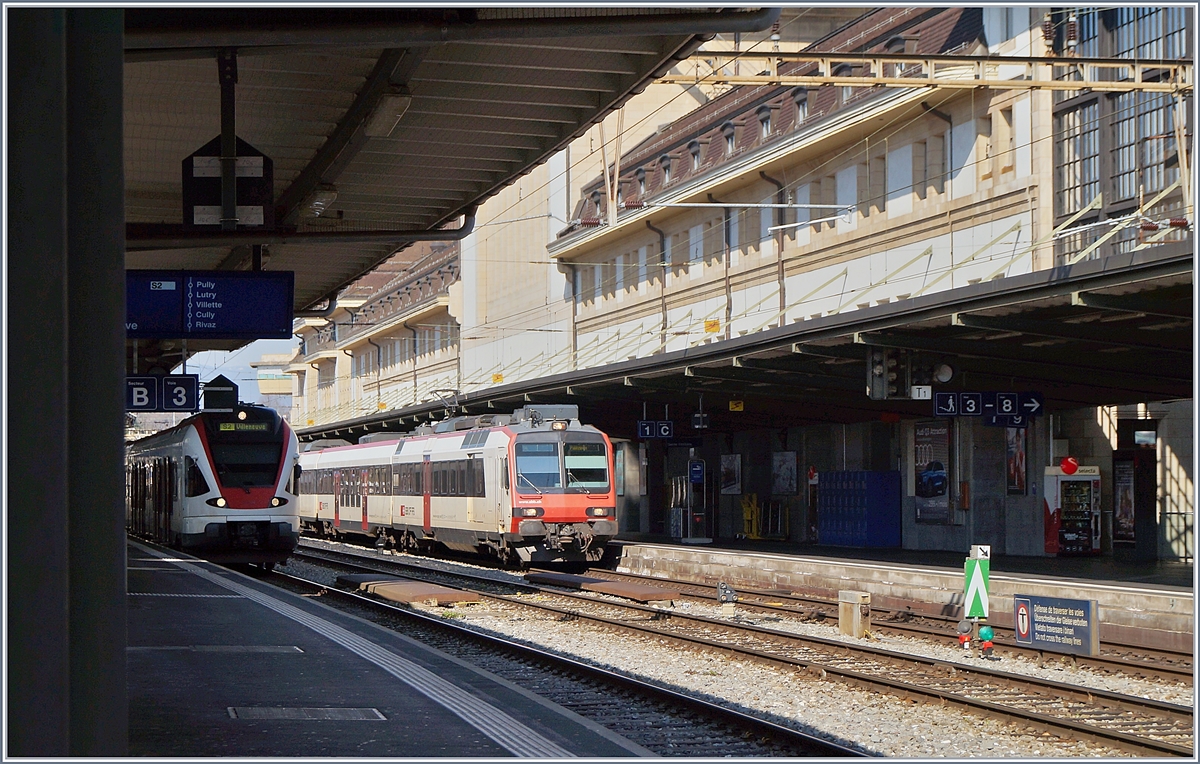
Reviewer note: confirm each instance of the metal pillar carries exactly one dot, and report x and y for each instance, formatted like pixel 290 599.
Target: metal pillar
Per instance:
pixel 36 285
pixel 66 554
pixel 227 72
pixel 95 379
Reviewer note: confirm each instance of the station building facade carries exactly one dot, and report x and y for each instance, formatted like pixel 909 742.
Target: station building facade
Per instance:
pixel 758 209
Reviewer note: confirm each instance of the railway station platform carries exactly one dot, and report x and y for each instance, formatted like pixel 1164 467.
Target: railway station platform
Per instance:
pixel 222 664
pixel 1134 598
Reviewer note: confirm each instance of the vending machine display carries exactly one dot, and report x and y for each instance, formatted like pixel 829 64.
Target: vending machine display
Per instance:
pixel 1072 511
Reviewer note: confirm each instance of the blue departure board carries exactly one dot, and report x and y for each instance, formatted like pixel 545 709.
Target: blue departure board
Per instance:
pixel 215 305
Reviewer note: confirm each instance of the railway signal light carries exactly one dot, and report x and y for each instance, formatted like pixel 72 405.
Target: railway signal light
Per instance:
pixel 888 374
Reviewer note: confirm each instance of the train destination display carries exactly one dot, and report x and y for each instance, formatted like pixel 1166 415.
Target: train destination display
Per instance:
pixel 216 305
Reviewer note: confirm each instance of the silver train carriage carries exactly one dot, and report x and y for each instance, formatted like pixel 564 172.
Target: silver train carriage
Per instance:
pixel 218 485
pixel 535 486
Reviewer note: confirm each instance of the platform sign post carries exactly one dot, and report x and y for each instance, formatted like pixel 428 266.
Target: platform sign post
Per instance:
pixel 975 579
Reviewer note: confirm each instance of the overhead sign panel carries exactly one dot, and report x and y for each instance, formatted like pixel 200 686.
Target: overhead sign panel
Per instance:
pixel 175 392
pixel 215 305
pixel 1002 409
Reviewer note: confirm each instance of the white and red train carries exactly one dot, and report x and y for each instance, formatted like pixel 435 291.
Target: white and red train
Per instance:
pixel 535 486
pixel 218 485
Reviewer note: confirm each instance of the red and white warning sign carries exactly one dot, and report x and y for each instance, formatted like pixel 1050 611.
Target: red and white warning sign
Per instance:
pixel 1022 620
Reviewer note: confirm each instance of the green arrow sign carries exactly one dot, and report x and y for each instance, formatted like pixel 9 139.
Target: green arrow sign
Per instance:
pixel 975 578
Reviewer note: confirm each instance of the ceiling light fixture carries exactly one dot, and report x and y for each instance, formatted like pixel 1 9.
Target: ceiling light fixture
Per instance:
pixel 943 373
pixel 387 113
pixel 318 200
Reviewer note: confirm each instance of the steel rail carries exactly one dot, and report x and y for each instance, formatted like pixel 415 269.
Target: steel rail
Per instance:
pixel 1004 638
pixel 1053 724
pixel 738 720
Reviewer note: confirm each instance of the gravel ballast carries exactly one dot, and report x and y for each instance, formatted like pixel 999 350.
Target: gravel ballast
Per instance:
pixel 878 724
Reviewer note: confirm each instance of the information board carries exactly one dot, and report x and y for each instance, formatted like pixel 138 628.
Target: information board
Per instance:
pixel 215 305
pixel 151 392
pixel 1057 624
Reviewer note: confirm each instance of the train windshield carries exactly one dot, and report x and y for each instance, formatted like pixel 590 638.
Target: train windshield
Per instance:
pixel 586 466
pixel 246 453
pixel 538 466
pixel 241 465
pixel 557 466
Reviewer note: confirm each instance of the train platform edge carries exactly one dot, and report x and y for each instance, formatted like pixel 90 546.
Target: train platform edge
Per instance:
pixel 1133 599
pixel 222 664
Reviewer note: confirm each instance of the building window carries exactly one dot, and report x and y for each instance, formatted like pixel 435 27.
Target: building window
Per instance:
pixel 730 132
pixel 844 91
pixel 764 122
pixel 641 181
pixel 664 162
pixel 1076 158
pixel 694 150
pixel 800 99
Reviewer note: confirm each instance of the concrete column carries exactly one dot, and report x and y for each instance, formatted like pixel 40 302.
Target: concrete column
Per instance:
pixel 36 464
pixel 96 378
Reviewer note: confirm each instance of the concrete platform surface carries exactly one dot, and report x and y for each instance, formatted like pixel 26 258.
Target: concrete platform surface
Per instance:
pixel 221 664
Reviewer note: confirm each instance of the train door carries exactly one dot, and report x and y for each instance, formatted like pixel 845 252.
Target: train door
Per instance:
pixel 364 484
pixel 426 487
pixel 497 492
pixel 337 498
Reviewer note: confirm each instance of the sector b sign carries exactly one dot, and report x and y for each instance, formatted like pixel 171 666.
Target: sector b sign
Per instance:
pixel 176 392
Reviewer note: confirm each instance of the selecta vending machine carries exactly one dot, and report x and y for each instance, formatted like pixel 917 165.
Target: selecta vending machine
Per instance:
pixel 1072 509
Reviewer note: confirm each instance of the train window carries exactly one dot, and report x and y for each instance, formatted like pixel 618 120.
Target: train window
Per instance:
pixel 462 479
pixel 504 473
pixel 477 468
pixel 194 482
pixel 586 465
pixel 538 466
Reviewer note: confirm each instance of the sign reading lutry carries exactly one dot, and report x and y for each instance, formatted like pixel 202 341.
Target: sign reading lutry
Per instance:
pixel 1057 624
pixel 215 305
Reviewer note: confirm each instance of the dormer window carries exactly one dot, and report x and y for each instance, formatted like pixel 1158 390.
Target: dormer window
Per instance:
pixel 729 131
pixel 596 196
pixel 694 149
pixel 664 161
pixel 844 70
pixel 764 121
pixel 800 99
pixel 641 180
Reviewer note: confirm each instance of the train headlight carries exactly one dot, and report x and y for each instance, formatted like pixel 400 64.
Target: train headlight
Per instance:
pixel 597 511
pixel 242 415
pixel 217 502
pixel 275 502
pixel 531 511
pixel 558 425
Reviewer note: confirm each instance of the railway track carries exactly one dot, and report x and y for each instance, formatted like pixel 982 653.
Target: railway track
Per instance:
pixel 1126 722
pixel 658 719
pixel 1115 657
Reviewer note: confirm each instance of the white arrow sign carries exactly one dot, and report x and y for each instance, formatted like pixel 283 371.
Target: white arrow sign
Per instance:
pixel 1032 405
pixel 976 599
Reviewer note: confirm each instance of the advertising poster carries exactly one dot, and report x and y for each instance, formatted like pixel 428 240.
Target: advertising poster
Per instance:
pixel 931 457
pixel 783 473
pixel 1123 500
pixel 731 474
pixel 1015 460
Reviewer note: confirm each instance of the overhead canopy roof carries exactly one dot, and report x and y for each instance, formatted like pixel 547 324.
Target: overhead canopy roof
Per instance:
pixel 1103 332
pixel 485 95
